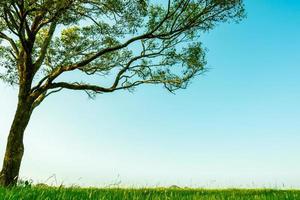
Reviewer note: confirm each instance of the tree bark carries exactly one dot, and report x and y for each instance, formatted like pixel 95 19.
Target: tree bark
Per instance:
pixel 15 148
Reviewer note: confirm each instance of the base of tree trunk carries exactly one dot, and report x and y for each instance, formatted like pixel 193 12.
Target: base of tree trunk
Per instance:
pixel 15 148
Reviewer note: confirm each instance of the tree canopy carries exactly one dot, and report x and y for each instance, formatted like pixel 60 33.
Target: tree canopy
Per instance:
pixel 122 41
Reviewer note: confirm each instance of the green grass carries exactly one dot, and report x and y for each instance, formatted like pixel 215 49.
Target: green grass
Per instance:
pixel 50 193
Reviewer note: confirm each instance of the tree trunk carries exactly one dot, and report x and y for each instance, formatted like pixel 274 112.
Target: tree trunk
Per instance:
pixel 15 147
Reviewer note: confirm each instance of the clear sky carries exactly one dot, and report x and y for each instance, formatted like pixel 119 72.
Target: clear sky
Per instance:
pixel 236 126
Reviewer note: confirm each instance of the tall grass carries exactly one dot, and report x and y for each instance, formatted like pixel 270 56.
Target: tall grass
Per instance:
pixel 51 193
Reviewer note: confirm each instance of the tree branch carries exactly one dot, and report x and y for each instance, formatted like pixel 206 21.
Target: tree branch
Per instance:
pixel 11 41
pixel 44 47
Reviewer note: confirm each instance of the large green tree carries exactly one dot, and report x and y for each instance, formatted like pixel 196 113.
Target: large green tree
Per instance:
pixel 108 45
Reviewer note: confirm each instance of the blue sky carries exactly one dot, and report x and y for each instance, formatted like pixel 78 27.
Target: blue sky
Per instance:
pixel 235 126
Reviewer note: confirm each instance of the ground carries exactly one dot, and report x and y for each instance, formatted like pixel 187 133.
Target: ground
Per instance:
pixel 53 193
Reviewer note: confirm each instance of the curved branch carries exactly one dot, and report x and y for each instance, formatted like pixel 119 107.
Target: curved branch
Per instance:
pixel 11 41
pixel 45 46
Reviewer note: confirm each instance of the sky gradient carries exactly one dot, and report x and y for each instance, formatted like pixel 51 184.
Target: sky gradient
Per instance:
pixel 236 126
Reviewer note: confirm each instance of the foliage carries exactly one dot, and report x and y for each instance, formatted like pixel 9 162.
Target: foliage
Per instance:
pixel 123 43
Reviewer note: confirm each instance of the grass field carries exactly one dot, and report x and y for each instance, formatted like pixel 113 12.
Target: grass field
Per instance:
pixel 48 193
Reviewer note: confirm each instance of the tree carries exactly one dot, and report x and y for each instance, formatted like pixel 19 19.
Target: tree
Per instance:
pixel 123 43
